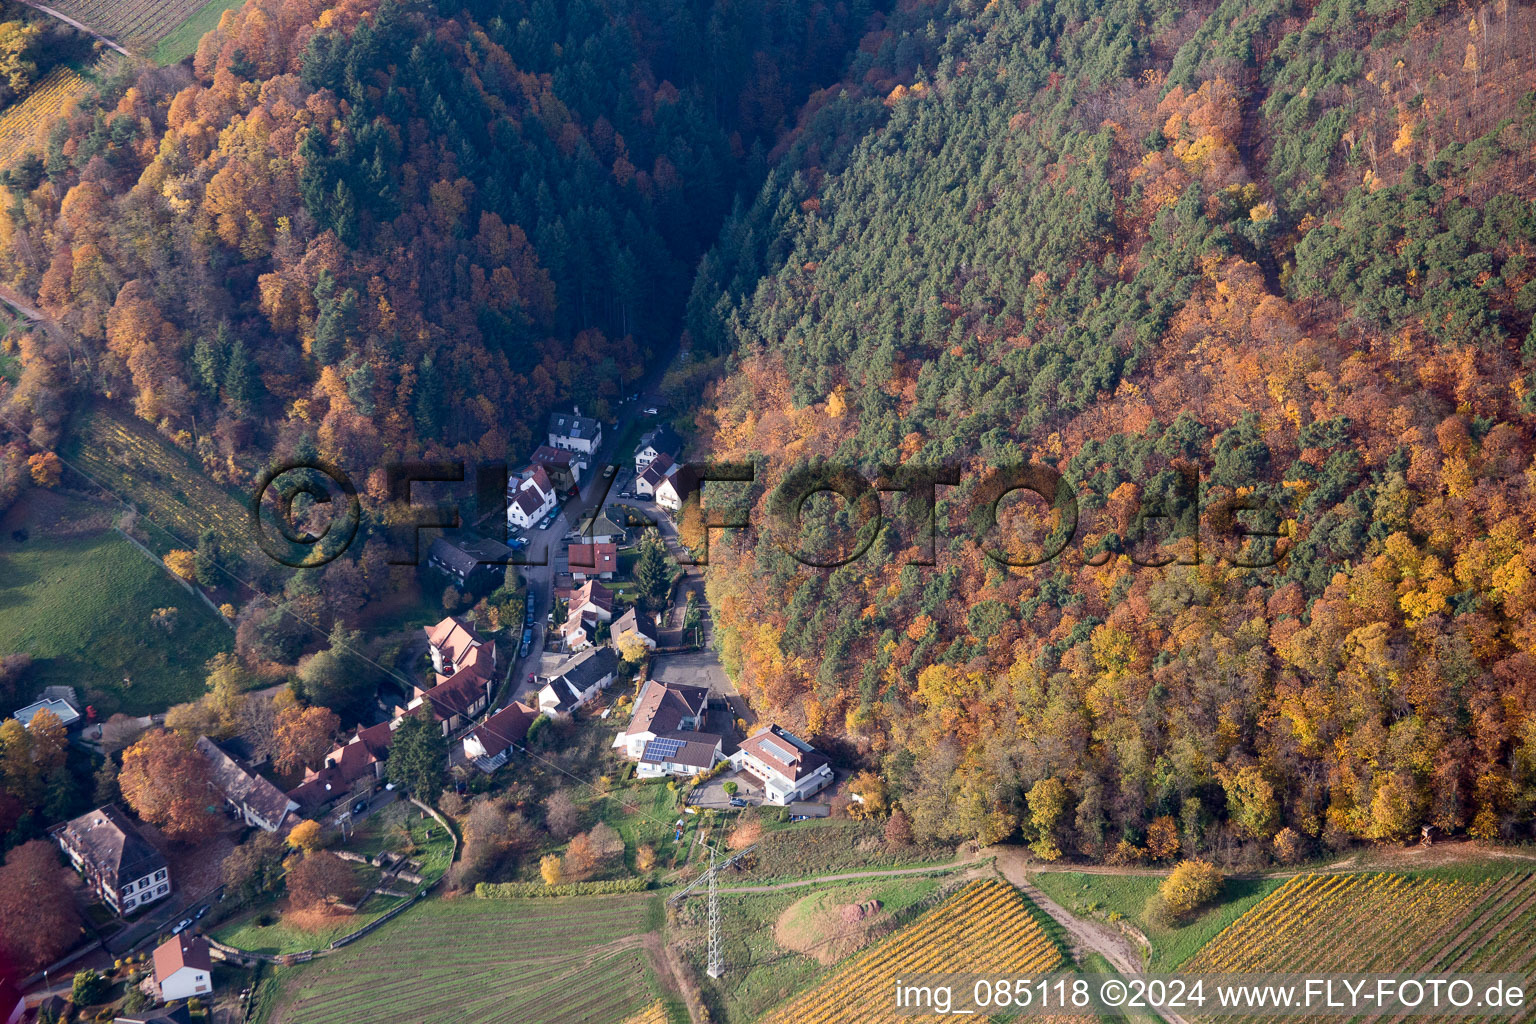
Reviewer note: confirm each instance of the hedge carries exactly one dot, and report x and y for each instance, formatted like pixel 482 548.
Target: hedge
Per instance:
pixel 515 890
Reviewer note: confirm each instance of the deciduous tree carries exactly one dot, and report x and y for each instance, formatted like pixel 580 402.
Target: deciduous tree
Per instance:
pixel 166 782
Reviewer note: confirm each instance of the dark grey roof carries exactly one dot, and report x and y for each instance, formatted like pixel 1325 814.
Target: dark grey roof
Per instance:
pixel 176 1015
pixel 664 439
pixel 694 749
pixel 570 424
pixel 631 621
pixel 114 847
pixel 599 525
pixel 566 695
pixel 242 787
pixel 463 557
pixel 588 667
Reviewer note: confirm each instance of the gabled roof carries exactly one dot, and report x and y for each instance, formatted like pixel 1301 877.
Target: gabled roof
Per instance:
pixel 465 556
pixel 181 951
pixel 583 621
pixel 659 470
pixel 458 693
pixel 591 559
pixel 599 524
pixel 506 728
pixel 562 692
pixel 344 766
pixel 454 637
pixel 694 749
pixel 681 481
pixel 585 669
pixel 539 478
pixel 663 706
pixel 784 752
pixel 112 845
pixel 529 502
pixel 663 440
pixel 240 786
pixel 594 594
pixel 545 455
pixel 573 425
pixel 630 622
pixel 164 1015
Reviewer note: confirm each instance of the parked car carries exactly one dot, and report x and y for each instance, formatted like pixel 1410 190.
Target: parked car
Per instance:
pixel 608 471
pixel 526 648
pixel 201 911
pixel 360 807
pixel 530 677
pixel 527 634
pixel 186 923
pixel 737 801
pixel 528 616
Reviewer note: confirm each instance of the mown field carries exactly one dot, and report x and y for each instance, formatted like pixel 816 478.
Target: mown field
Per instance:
pixel 1445 922
pixel 557 961
pixel 80 605
pixel 1132 898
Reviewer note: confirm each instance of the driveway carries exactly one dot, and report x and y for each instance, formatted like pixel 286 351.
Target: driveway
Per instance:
pixel 712 794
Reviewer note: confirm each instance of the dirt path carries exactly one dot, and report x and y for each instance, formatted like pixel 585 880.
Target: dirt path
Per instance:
pixel 66 19
pixel 670 973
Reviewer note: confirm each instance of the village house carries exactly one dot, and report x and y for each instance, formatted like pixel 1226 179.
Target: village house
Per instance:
pixel 449 643
pixel 632 623
pixel 459 696
pixel 666 711
pixel 648 479
pixel 492 743
pixel 476 563
pixel 575 432
pixel 660 441
pixel 252 798
pixel 602 527
pixel 666 482
pixel 118 864
pixel 578 631
pixel 578 680
pixel 354 767
pixel 592 598
pixel 593 561
pixel 789 768
pixel 563 467
pixel 530 499
pixel 183 968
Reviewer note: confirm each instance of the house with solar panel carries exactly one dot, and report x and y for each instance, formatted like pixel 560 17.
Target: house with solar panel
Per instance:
pixel 664 734
pixel 789 768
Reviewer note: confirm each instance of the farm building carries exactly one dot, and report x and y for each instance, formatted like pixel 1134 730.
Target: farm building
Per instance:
pixel 790 768
pixel 252 798
pixel 490 745
pixel 183 968
pixel 118 864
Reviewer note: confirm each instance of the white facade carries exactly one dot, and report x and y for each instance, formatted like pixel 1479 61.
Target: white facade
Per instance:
pixel 140 892
pixel 529 503
pixel 186 983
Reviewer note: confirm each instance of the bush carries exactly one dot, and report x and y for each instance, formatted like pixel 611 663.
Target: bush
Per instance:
pixel 521 890
pixel 89 988
pixel 1190 886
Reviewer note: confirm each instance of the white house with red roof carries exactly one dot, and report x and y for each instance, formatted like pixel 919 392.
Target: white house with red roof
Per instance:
pixel 491 744
pixel 664 734
pixel 530 499
pixel 183 967
pixel 790 768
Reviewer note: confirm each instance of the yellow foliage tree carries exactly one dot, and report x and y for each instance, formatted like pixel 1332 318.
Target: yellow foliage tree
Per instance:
pixel 307 836
pixel 183 563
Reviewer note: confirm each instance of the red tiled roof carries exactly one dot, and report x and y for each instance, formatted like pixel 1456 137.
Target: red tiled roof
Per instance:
pixel 506 727
pixel 547 456
pixel 593 593
pixel 181 951
pixel 453 637
pixel 594 558
pixel 773 747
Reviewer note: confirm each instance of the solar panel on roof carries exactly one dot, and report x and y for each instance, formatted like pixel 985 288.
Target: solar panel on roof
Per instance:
pixel 778 751
pixel 663 749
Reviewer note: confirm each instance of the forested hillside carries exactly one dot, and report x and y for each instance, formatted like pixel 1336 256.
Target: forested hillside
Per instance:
pixel 1285 245
pixel 397 226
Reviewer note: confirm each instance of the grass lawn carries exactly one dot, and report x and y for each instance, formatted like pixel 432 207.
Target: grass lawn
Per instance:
pixel 80 606
pixel 547 960
pixel 822 846
pixel 183 41
pixel 381 831
pixel 766 973
pixel 268 931
pixel 1130 896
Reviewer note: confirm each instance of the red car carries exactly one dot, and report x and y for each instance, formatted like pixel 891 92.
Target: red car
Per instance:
pixel 530 677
